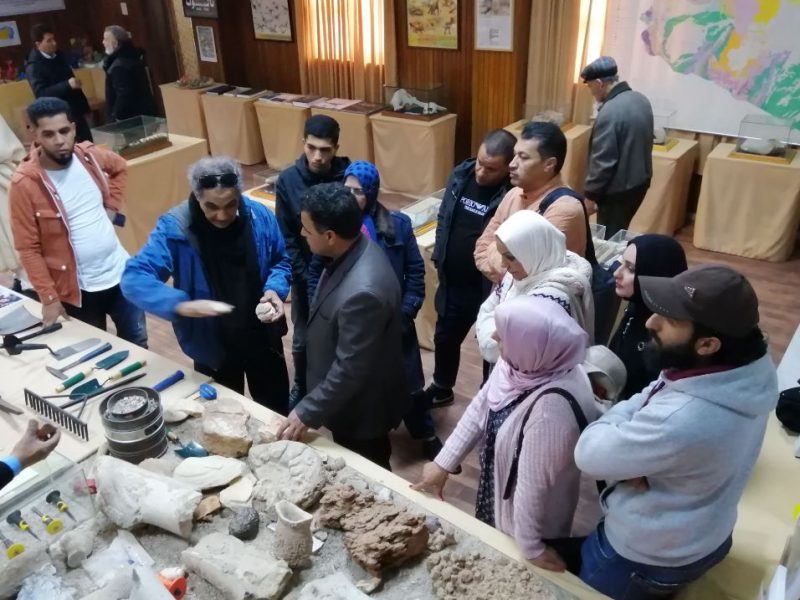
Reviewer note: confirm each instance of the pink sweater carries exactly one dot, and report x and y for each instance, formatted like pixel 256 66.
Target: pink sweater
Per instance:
pixel 548 483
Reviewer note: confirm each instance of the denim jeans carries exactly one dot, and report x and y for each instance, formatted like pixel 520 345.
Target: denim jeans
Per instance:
pixel 127 318
pixel 622 579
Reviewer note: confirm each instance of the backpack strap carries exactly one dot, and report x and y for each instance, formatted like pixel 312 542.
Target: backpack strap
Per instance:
pixel 580 418
pixel 560 192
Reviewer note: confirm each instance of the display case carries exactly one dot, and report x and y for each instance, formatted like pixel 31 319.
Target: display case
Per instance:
pixel 415 102
pixel 424 212
pixel 38 507
pixel 610 251
pixel 133 137
pixel 663 120
pixel 266 180
pixel 764 138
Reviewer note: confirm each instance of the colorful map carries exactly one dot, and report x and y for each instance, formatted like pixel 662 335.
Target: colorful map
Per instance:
pixel 750 48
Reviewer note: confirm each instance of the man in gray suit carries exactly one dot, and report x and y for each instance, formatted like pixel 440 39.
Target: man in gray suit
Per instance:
pixel 355 364
pixel 620 150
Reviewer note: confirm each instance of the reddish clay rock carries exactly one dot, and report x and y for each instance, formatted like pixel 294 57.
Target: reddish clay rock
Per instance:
pixel 378 534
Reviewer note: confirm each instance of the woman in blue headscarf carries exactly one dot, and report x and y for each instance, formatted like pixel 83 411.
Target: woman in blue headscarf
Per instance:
pixel 393 232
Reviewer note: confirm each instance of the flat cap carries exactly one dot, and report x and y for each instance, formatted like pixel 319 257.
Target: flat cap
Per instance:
pixel 603 67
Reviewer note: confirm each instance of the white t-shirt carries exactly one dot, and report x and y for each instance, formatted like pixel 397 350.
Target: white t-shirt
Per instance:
pixel 100 256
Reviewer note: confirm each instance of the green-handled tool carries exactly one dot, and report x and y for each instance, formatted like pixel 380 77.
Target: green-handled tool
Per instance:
pixel 109 361
pixel 94 385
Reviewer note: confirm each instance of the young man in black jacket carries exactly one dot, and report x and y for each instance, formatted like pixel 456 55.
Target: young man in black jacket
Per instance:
pixel 317 164
pixel 128 92
pixel 473 194
pixel 49 74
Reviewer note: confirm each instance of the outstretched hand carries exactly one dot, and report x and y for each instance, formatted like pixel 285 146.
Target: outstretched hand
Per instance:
pixel 433 480
pixel 37 443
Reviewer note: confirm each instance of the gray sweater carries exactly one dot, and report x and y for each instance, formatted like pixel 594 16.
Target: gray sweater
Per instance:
pixel 696 442
pixel 620 153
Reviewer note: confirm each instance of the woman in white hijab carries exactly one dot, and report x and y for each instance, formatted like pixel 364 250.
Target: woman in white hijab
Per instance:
pixel 537 263
pixel 11 153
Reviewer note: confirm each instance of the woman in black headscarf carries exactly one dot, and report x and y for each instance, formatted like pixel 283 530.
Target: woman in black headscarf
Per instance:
pixel 650 255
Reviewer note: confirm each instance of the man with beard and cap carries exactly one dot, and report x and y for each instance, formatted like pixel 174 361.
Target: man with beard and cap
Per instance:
pixel 650 255
pixel 231 275
pixel 317 164
pixel 50 76
pixel 677 456
pixel 64 200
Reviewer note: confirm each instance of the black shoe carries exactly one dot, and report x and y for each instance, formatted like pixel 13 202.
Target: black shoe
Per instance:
pixel 431 448
pixel 439 396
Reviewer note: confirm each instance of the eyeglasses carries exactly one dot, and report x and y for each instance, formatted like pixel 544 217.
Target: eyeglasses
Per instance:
pixel 356 191
pixel 223 180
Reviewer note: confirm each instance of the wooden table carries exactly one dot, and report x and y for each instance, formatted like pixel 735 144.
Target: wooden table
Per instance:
pixel 413 157
pixel 184 110
pixel 27 370
pixel 233 128
pixel 355 138
pixel 14 97
pixel 94 82
pixel 426 317
pixel 663 209
pixel 748 207
pixel 574 169
pixel 156 183
pixel 281 126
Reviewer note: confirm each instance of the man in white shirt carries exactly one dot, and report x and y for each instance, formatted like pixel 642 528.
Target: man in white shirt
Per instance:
pixel 64 199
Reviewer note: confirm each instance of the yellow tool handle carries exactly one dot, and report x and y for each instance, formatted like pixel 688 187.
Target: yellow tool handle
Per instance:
pixel 54 526
pixel 62 506
pixel 15 550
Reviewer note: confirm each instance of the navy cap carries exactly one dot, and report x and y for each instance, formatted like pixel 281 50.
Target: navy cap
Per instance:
pixel 603 67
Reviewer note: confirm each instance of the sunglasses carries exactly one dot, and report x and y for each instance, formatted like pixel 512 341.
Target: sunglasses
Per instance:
pixel 228 180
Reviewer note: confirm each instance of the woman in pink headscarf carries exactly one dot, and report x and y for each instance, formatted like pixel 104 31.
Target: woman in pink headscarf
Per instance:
pixel 527 419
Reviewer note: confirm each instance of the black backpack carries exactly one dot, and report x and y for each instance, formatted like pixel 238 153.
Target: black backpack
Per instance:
pixel 606 301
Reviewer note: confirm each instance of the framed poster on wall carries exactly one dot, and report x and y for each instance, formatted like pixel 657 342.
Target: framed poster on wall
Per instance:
pixel 9 34
pixel 200 8
pixel 22 7
pixel 206 45
pixel 432 24
pixel 494 25
pixel 272 20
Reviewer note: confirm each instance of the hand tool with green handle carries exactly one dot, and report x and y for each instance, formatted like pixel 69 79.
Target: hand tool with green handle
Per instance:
pixel 105 364
pixel 62 372
pixel 94 385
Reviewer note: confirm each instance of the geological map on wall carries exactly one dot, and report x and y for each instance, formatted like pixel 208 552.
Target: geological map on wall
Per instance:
pixel 713 61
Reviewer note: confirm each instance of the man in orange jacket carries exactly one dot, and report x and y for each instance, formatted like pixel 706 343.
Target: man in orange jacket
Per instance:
pixel 63 200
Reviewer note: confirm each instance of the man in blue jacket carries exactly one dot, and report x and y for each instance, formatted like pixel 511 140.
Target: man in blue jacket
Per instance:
pixel 219 247
pixel 474 191
pixel 317 164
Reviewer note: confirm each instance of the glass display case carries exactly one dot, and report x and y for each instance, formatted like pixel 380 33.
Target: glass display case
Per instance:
pixel 266 180
pixel 424 212
pixel 415 102
pixel 765 138
pixel 133 137
pixel 663 121
pixel 610 251
pixel 39 506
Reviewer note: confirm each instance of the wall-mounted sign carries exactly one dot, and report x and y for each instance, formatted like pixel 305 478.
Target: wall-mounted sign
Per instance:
pixel 200 8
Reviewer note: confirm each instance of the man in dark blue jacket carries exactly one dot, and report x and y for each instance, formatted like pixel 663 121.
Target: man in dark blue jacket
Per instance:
pixel 128 91
pixel 473 194
pixel 220 249
pixel 318 164
pixel 49 74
